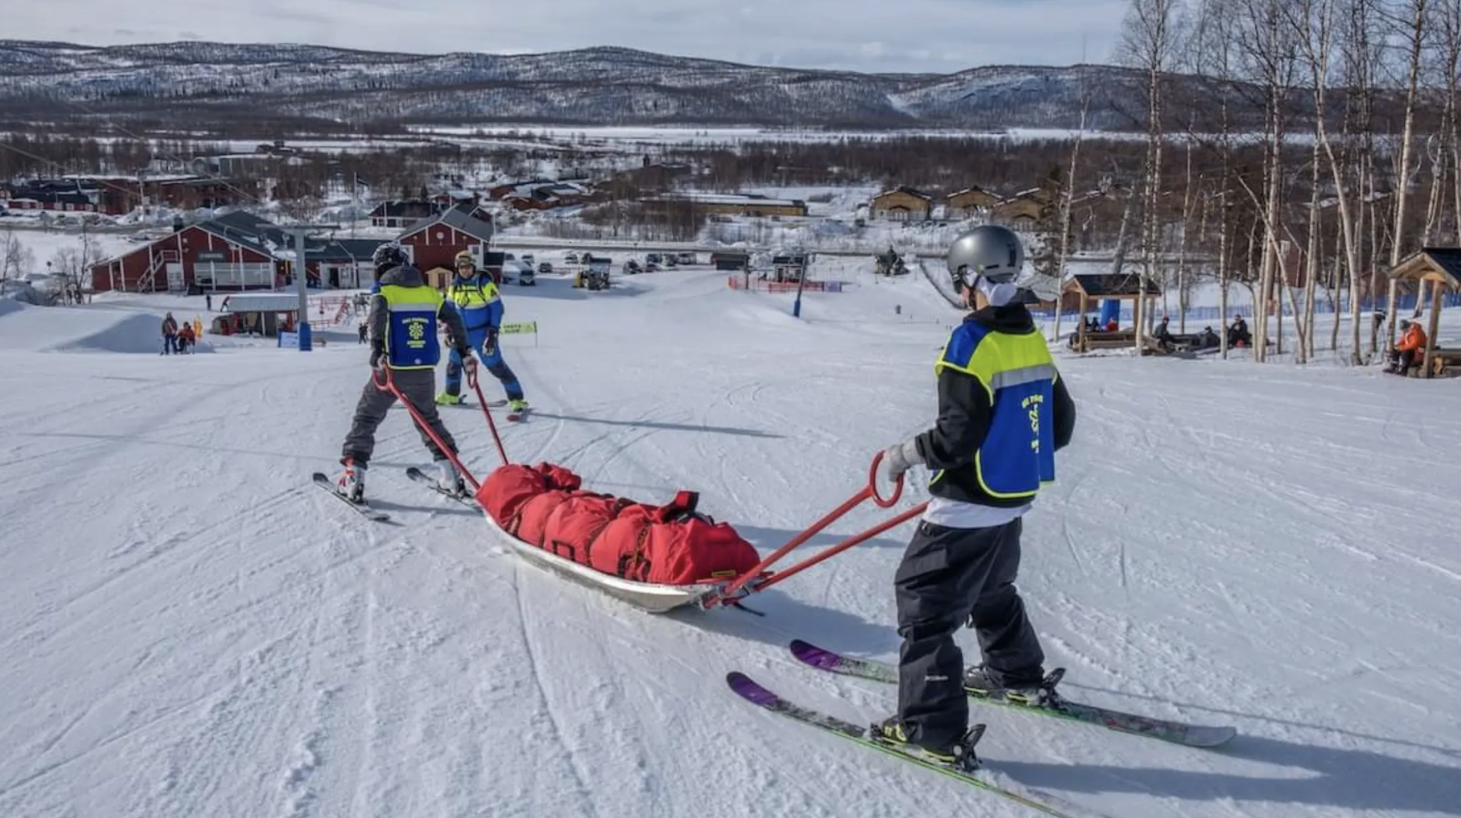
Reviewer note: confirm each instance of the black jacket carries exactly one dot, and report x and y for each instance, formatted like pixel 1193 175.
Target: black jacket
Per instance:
pixel 408 276
pixel 964 413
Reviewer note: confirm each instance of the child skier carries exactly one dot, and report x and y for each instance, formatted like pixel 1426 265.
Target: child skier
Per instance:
pixel 476 298
pixel 403 316
pixel 1003 413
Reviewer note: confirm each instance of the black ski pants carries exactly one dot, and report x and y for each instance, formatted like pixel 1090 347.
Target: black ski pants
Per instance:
pixel 950 576
pixel 419 387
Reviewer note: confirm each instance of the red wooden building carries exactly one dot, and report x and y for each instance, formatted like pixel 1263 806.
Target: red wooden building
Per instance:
pixel 227 253
pixel 435 241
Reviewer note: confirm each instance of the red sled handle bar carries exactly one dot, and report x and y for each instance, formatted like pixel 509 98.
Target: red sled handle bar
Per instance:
pixel 730 593
pixel 481 399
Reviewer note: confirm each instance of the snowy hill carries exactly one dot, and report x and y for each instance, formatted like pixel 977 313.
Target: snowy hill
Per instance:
pixel 588 86
pixel 191 629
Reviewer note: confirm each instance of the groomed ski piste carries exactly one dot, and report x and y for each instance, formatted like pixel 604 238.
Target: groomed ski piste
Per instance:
pixel 190 628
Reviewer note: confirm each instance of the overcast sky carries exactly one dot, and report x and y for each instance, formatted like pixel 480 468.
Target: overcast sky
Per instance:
pixel 862 35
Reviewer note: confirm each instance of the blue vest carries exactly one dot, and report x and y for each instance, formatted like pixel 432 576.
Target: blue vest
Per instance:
pixel 1018 454
pixel 411 341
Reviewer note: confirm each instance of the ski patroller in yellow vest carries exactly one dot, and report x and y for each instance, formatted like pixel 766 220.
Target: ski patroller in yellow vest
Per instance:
pixel 410 336
pixel 479 303
pixel 1018 454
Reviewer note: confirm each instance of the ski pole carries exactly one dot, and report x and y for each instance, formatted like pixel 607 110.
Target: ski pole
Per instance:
pixel 388 384
pixel 868 491
pixel 476 387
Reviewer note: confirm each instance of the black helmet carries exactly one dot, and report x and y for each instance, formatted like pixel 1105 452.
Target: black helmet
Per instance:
pixel 390 254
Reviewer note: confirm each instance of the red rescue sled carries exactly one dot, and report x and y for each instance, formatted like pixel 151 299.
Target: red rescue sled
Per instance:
pixel 656 558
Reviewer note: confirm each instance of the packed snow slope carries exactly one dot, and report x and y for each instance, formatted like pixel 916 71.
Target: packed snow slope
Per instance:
pixel 191 629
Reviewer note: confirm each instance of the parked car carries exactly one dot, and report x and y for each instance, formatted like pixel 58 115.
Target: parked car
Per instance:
pixel 571 258
pixel 526 277
pixel 545 268
pixel 651 267
pixel 652 258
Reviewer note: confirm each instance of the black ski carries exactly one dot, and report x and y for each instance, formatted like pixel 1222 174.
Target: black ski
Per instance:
pixel 759 695
pixel 362 508
pixel 1176 732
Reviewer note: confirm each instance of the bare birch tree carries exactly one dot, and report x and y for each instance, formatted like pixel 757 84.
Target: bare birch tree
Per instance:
pixel 1450 33
pixel 1412 35
pixel 1210 50
pixel 15 257
pixel 1067 203
pixel 1314 23
pixel 1149 41
pixel 1268 51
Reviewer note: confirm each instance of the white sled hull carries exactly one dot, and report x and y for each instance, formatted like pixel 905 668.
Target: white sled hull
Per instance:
pixel 642 595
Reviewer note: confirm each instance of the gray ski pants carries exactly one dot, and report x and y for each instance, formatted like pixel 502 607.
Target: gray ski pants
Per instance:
pixel 950 576
pixel 419 387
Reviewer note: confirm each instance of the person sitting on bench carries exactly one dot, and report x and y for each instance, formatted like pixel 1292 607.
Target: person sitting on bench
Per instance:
pixel 1163 334
pixel 1208 339
pixel 1410 351
pixel 1112 326
pixel 1238 334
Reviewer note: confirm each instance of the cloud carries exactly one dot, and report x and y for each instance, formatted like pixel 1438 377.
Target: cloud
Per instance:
pixel 914 36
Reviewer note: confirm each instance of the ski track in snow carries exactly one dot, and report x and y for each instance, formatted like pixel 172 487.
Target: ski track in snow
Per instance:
pixel 192 629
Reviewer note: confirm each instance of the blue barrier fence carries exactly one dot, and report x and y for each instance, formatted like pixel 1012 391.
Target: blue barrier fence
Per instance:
pixel 1405 303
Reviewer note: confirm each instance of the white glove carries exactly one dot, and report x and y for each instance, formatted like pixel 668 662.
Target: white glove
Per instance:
pixel 901 457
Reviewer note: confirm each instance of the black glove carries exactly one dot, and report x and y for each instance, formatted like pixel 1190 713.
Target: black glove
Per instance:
pixel 375 355
pixel 490 345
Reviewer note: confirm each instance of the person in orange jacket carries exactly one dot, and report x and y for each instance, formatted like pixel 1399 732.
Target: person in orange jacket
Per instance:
pixel 1410 350
pixel 186 337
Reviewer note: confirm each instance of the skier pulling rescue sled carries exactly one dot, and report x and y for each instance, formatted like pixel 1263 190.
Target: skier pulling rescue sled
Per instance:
pixel 1003 413
pixel 404 352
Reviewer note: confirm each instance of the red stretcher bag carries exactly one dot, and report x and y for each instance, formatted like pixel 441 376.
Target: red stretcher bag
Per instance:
pixel 619 549
pixel 575 525
pixel 508 488
pixel 532 522
pixel 684 547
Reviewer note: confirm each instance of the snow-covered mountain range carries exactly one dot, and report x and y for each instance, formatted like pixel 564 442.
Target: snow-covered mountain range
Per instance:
pixel 595 86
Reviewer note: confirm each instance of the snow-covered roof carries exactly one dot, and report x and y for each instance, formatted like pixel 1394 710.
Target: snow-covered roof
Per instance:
pixel 731 199
pixel 262 302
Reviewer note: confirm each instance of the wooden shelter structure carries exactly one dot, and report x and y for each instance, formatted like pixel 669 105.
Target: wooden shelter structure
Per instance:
pixel 1437 269
pixel 1090 287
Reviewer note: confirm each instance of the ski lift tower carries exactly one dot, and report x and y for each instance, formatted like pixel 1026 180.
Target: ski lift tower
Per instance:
pixel 301 277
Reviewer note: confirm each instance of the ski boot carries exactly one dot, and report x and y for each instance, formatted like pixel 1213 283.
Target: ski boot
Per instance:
pixel 980 683
pixel 448 399
pixel 352 481
pixel 449 480
pixel 959 756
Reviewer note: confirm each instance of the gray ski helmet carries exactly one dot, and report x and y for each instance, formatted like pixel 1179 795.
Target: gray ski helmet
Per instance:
pixel 989 250
pixel 389 254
